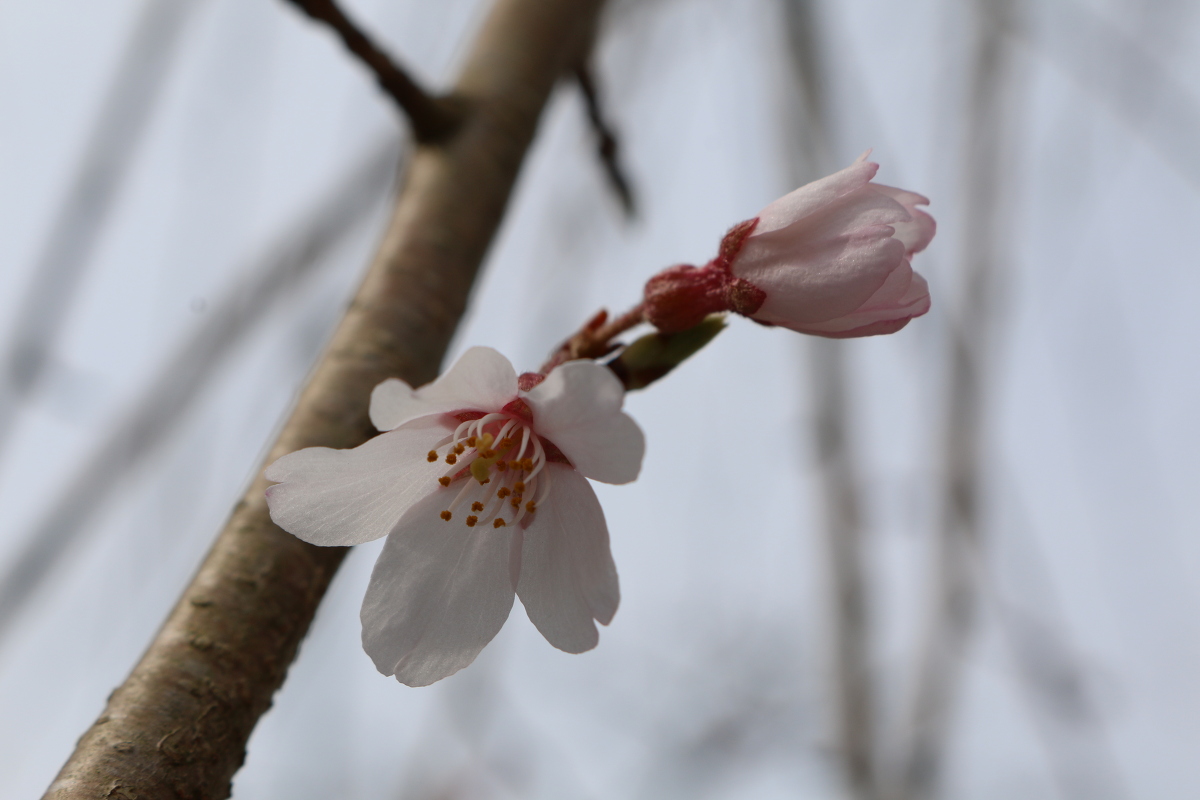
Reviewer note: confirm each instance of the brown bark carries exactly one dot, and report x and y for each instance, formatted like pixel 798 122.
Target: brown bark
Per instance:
pixel 178 726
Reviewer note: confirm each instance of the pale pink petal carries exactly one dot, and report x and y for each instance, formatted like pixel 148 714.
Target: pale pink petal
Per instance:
pixel 813 196
pixel 344 497
pixel 819 279
pixel 862 208
pixel 481 380
pixel 889 310
pixel 567 576
pixel 578 407
pixel 920 229
pixel 439 593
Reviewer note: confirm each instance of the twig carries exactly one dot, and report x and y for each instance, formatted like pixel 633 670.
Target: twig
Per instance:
pixel 594 339
pixel 606 140
pixel 108 154
pixel 432 118
pixel 152 417
pixel 215 664
pixel 854 694
pixel 954 597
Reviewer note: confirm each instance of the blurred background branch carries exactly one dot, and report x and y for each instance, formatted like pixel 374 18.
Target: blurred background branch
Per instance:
pixel 109 153
pixel 432 118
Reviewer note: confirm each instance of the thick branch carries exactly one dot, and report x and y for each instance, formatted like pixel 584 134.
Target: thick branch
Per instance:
pixel 432 118
pixel 178 726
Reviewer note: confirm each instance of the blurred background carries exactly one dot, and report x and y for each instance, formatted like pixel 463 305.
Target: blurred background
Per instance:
pixel 957 562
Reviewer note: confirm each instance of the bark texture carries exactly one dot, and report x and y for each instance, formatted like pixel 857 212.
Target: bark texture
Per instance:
pixel 178 726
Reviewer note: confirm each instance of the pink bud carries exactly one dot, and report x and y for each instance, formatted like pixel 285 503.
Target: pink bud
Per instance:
pixel 830 259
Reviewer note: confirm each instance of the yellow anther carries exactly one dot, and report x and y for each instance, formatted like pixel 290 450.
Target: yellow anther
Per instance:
pixel 505 442
pixel 499 523
pixel 519 487
pixel 446 515
pixel 444 480
pixel 477 506
pixel 516 501
pixel 527 464
pixel 470 441
pixel 502 465
pixel 458 448
pixel 531 506
pixel 432 456
pixel 451 458
pixel 471 520
pixel 503 493
pixel 487 453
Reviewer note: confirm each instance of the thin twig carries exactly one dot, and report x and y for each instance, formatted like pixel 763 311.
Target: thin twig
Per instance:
pixel 955 594
pixel 606 140
pixel 854 695
pixel 155 415
pixel 109 153
pixel 595 338
pixel 178 726
pixel 432 118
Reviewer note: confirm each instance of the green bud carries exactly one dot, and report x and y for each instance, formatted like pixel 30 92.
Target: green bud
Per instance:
pixel 654 355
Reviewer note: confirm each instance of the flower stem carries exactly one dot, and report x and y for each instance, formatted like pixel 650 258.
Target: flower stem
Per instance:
pixel 594 339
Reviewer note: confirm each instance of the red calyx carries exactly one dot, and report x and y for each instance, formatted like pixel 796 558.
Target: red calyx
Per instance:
pixel 680 297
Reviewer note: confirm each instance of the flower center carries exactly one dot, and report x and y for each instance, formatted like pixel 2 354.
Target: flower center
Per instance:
pixel 500 463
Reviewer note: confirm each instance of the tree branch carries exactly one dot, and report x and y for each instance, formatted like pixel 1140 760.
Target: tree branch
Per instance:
pixel 432 118
pixel 177 728
pixel 606 139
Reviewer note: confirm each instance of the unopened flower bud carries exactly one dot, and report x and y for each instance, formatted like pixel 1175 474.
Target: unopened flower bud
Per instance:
pixel 833 258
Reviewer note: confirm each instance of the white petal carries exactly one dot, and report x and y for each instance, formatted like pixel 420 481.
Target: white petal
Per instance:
pixel 567 573
pixel 439 593
pixel 578 407
pixel 814 196
pixel 481 380
pixel 344 497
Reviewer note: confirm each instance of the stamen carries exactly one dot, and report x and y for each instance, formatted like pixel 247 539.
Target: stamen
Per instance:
pixel 470 441
pixel 458 448
pixel 433 456
pixel 506 443
pixel 477 506
pixel 446 515
pixel 515 502
pixel 502 465
pixel 527 464
pixel 519 487
pixel 531 506
pixel 471 520
pixel 451 458
pixel 444 480
pixel 504 492
pixel 499 523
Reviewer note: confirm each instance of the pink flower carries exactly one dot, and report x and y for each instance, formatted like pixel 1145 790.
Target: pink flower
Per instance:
pixel 833 258
pixel 480 485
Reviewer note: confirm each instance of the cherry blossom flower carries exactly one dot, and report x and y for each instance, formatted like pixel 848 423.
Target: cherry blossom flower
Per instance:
pixel 480 486
pixel 833 258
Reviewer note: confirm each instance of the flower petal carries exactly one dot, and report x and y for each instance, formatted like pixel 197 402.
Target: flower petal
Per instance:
pixel 345 497
pixel 813 196
pixel 818 279
pixel 578 407
pixel 439 593
pixel 567 573
pixel 918 232
pixel 481 380
pixel 904 296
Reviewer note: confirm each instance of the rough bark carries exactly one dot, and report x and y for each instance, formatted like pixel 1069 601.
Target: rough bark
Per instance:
pixel 178 726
